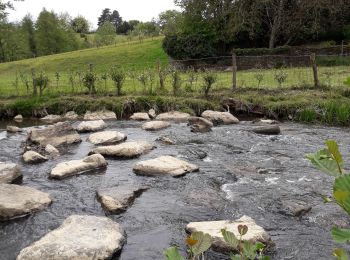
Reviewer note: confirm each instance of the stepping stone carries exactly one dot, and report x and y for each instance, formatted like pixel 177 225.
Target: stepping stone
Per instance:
pixel 200 125
pixel 56 135
pixel 140 117
pixel 79 237
pixel 51 150
pixel 155 125
pixel 34 157
pixel 71 115
pixel 107 138
pixel 13 129
pixel 124 150
pixel 19 201
pixel 213 228
pixel 77 167
pixel 51 119
pixel 91 126
pixel 9 173
pixel 268 130
pixel 100 115
pixel 174 116
pixel 220 118
pixel 117 200
pixel 164 165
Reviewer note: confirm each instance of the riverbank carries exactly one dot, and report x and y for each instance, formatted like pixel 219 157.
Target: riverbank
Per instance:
pixel 328 106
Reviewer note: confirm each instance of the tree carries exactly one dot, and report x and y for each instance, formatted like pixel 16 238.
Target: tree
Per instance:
pixel 105 34
pixel 124 28
pixel 105 17
pixel 169 22
pixel 112 17
pixel 29 32
pixel 80 25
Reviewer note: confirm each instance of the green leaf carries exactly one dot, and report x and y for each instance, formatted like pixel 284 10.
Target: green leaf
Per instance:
pixel 264 257
pixel 249 250
pixel 204 243
pixel 259 246
pixel 341 192
pixel 333 148
pixel 230 238
pixel 172 253
pixel 235 257
pixel 324 161
pixel 341 235
pixel 340 254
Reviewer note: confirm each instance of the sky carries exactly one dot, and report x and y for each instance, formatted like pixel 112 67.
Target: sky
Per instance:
pixel 143 10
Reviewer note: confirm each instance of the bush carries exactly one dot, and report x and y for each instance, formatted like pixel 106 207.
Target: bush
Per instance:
pixel 209 78
pixel 118 77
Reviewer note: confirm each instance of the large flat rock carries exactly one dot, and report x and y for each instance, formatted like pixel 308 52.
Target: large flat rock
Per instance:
pixel 106 138
pixel 174 116
pixel 220 118
pixel 140 117
pixel 77 167
pixel 100 115
pixel 164 165
pixel 51 119
pixel 18 201
pixel 213 228
pixel 116 200
pixel 78 238
pixel 56 135
pixel 155 125
pixel 91 126
pixel 13 129
pixel 9 173
pixel 124 150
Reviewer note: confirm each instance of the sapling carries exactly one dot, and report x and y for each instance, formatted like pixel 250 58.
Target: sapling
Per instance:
pixel 118 77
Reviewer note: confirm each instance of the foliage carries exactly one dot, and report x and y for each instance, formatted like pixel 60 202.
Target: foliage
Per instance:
pixel 280 77
pixel 80 25
pixel 41 81
pixel 209 78
pixel 105 34
pixel 175 81
pixel 330 161
pixel 118 76
pixel 89 79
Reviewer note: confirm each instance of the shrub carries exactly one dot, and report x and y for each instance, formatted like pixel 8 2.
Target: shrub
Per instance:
pixel 280 76
pixel 89 80
pixel 118 77
pixel 209 78
pixel 41 82
pixel 175 81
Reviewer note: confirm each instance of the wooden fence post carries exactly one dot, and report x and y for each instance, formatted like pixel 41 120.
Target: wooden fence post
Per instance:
pixel 314 68
pixel 234 71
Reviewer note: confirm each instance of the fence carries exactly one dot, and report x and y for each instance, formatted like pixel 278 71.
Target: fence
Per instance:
pixel 271 71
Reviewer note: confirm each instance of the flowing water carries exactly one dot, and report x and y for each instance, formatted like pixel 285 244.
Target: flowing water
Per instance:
pixel 241 174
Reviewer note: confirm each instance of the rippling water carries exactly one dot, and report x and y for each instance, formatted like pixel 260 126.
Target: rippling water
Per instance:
pixel 243 174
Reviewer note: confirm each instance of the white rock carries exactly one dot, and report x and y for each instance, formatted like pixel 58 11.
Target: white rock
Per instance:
pixel 106 138
pixel 34 157
pixel 91 126
pixel 152 113
pixel 9 172
pixel 51 118
pixel 213 228
pixel 52 150
pixel 13 129
pixel 220 118
pixel 117 200
pixel 164 165
pixel 77 167
pixel 140 117
pixel 200 124
pixel 174 116
pixel 56 135
pixel 155 125
pixel 100 115
pixel 71 115
pixel 124 150
pixel 18 118
pixel 18 201
pixel 78 238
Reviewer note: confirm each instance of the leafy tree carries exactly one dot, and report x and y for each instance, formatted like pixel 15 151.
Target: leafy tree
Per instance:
pixel 80 25
pixel 124 28
pixel 169 22
pixel 112 17
pixel 105 17
pixel 105 34
pixel 29 32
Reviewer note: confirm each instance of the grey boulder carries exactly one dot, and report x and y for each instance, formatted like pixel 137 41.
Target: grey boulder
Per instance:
pixel 220 118
pixel 91 126
pixel 200 125
pixel 100 115
pixel 176 116
pixel 267 130
pixel 9 173
pixel 106 138
pixel 155 125
pixel 34 157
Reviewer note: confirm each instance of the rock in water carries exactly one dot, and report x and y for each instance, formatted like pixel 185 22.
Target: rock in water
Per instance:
pixel 117 200
pixel 13 129
pixel 18 118
pixel 51 119
pixel 164 165
pixel 174 116
pixel 200 125
pixel 213 228
pixel 268 130
pixel 34 157
pixel 91 126
pixel 9 173
pixel 124 150
pixel 78 238
pixel 18 201
pixel 77 167
pixel 140 117
pixel 106 138
pixel 220 118
pixel 71 115
pixel 152 113
pixel 56 135
pixel 155 125
pixel 51 150
pixel 166 140
pixel 100 115
pixel 294 208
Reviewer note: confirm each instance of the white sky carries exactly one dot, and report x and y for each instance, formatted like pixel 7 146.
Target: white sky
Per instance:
pixel 143 10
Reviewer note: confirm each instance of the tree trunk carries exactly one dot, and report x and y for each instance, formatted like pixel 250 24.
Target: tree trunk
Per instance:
pixel 276 24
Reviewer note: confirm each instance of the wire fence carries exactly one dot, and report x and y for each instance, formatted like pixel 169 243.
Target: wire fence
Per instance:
pixel 261 72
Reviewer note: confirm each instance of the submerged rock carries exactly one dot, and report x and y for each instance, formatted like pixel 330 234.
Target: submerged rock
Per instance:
pixel 18 201
pixel 200 125
pixel 9 173
pixel 164 165
pixel 166 140
pixel 294 208
pixel 51 150
pixel 268 130
pixel 79 237
pixel 56 135
pixel 220 118
pixel 18 118
pixel 155 125
pixel 77 167
pixel 117 200
pixel 100 115
pixel 91 126
pixel 124 150
pixel 13 129
pixel 174 116
pixel 213 228
pixel 34 157
pixel 140 117
pixel 71 115
pixel 51 118
pixel 106 138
